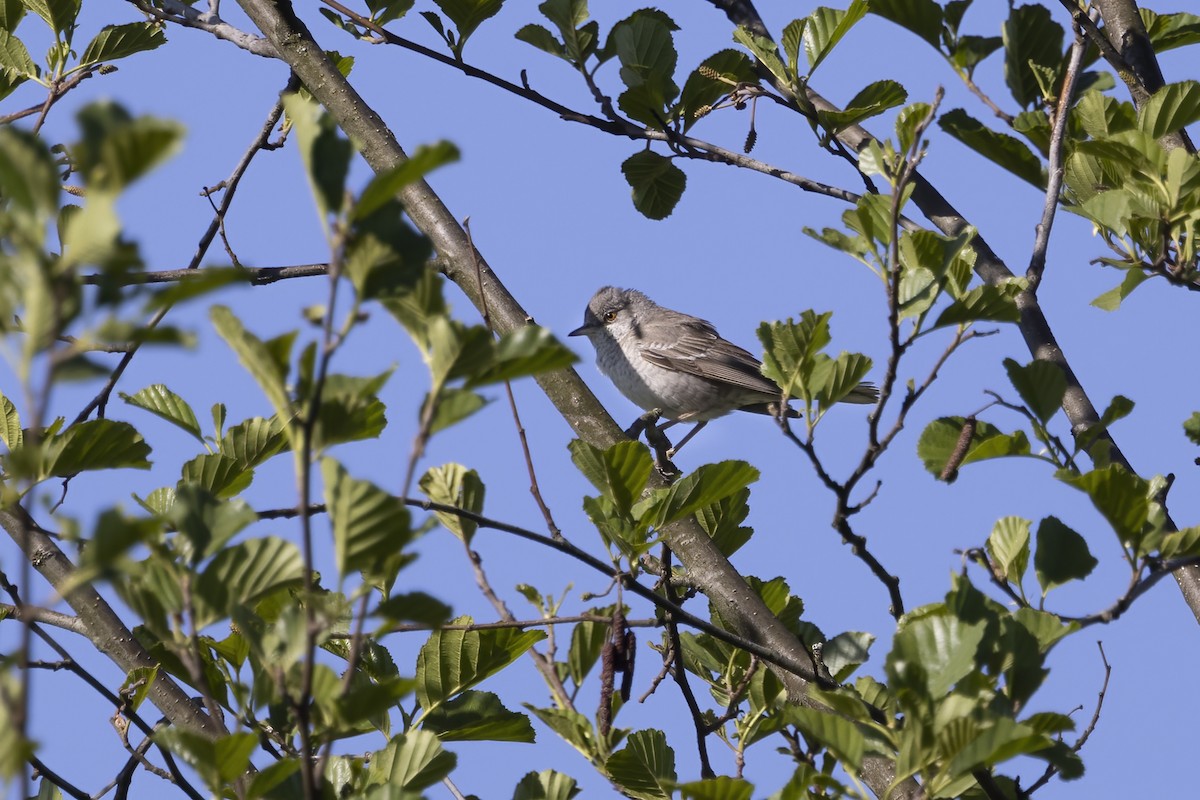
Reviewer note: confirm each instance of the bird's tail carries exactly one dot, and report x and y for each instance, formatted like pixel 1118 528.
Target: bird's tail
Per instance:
pixel 862 394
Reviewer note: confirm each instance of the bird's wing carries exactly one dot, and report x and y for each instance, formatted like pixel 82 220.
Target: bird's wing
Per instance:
pixel 697 349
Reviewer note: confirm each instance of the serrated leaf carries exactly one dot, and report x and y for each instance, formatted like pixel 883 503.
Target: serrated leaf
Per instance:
pixel 369 525
pixel 710 483
pixel 1031 35
pixel 620 472
pixel 1171 108
pixel 1119 495
pixel 412 761
pixel 645 768
pixel 60 15
pixel 764 50
pixel 644 44
pixel 846 652
pixel 528 350
pixel 1008 546
pixel 546 785
pixel 325 153
pixel 10 424
pixel 986 303
pixel 656 182
pixel 413 607
pixel 219 762
pixel 119 41
pixel 722 787
pixel 454 660
pixel 1168 31
pixel 223 476
pixel 790 351
pixel 1007 151
pixel 842 737
pixel 837 377
pixel 587 642
pixel 826 27
pixel 922 17
pixel 467 15
pixel 455 485
pixel 95 445
pixel 243 573
pixel 874 99
pixel 206 521
pixel 252 442
pixel 1041 385
pixel 940 438
pixel 15 59
pixel 478 716
pixel 1062 555
pixel 542 39
pixel 453 406
pixel 932 651
pixel 162 402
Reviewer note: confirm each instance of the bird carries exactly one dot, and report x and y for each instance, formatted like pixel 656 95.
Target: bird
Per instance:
pixel 677 366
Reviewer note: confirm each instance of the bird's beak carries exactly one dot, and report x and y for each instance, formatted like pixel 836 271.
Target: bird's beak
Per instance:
pixel 582 330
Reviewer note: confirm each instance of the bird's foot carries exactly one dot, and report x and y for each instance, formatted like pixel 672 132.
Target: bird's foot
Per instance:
pixel 644 422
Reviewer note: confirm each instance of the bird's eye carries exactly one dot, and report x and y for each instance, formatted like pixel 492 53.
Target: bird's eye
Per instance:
pixel 610 316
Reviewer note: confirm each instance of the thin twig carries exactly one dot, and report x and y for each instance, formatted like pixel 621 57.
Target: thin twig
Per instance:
pixel 56 93
pixel 680 672
pixel 261 142
pixel 1037 261
pixel 255 276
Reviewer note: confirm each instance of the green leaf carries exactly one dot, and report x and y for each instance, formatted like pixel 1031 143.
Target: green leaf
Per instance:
pixel 841 736
pixel 846 652
pixel 940 438
pixel 384 185
pixel 243 573
pixel 723 522
pixel 1191 427
pixel 137 685
pixel 369 525
pixel 1007 151
pixel 10 424
pixel 1120 496
pixel 1101 116
pixel 219 762
pixel 11 13
pixel 546 785
pixel 542 39
pixel 722 787
pixel 708 484
pixel 325 154
pixel 60 15
pixel 257 358
pixel 162 402
pixel 587 643
pixel 119 41
pixel 932 651
pixel 579 37
pixel 922 17
pixel 970 50
pixel 1111 300
pixel 273 776
pixel 644 45
pixel 15 59
pixel 94 445
pixel 252 442
pixel 528 350
pixel 385 11
pixel 117 148
pixel 836 378
pixel 701 91
pixel 467 15
pixel 1171 108
pixel 764 50
pixel 791 350
pixel 219 474
pixel 656 182
pixel 478 716
pixel 413 607
pixel 874 99
pixel 1008 546
pixel 413 761
pixel 826 27
pixel 1062 555
pixel 982 304
pixel 1030 35
pixel 455 485
pixel 1041 385
pixel 206 521
pixel 454 660
pixel 1168 31
pixel 453 406
pixel 620 472
pixel 645 768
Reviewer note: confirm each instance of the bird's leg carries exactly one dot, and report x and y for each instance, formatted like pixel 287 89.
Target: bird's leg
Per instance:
pixel 672 451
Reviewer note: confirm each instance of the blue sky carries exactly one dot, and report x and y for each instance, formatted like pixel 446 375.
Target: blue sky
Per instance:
pixel 551 212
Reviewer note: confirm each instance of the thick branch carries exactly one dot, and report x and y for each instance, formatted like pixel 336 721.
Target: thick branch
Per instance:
pixel 737 604
pixel 101 624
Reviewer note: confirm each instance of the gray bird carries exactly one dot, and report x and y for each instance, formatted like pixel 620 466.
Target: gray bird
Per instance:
pixel 678 365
